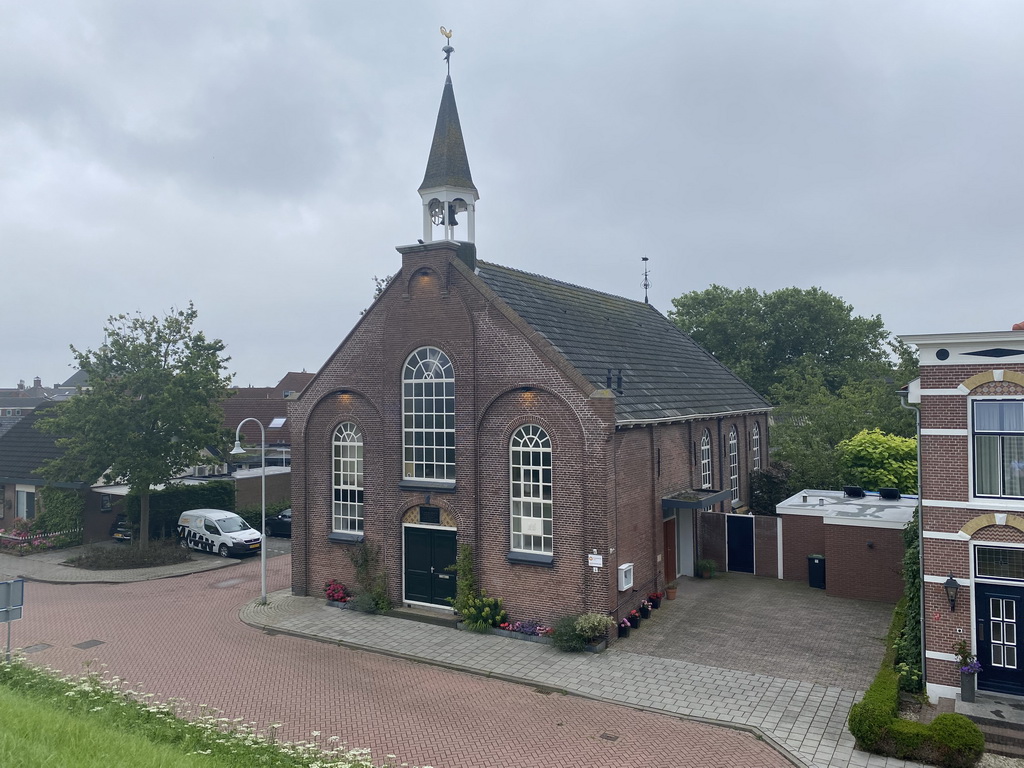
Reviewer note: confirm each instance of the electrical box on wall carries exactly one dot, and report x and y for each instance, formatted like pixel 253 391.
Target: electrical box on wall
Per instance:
pixel 625 577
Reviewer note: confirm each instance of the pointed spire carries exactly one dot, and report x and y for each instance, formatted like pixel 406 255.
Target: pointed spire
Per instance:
pixel 448 164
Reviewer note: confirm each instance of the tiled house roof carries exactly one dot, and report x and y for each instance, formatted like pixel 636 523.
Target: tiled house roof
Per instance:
pixel 665 374
pixel 24 449
pixel 265 404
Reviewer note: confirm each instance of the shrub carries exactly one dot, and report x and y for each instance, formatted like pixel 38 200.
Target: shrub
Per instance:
pixel 708 566
pixel 768 487
pixel 566 637
pixel 372 593
pixel 480 613
pixel 592 626
pixel 165 506
pixel 956 741
pixel 337 592
pixel 105 558
pixel 465 580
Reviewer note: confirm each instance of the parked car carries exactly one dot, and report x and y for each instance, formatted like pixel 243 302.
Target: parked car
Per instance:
pixel 280 524
pixel 217 530
pixel 121 529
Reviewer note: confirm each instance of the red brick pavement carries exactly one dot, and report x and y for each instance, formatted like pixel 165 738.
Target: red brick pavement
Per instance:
pixel 181 638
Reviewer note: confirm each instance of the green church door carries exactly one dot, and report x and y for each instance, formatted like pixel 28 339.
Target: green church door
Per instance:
pixel 428 553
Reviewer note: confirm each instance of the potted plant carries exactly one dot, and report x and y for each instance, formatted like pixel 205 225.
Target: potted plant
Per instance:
pixel 655 599
pixel 969 667
pixel 670 591
pixel 634 619
pixel 645 609
pixel 624 627
pixel 707 568
pixel 337 594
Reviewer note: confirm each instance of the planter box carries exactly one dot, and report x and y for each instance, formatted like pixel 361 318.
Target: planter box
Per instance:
pixel 346 605
pixel 595 648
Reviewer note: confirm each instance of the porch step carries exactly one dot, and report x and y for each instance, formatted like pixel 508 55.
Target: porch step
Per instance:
pixel 1001 720
pixel 425 616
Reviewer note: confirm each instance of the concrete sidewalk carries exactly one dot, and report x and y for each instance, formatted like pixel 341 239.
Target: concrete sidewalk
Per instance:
pixel 805 722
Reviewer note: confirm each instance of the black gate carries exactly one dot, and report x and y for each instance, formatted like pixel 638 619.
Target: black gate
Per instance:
pixel 739 532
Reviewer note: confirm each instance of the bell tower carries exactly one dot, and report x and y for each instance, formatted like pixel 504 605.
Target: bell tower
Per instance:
pixel 448 193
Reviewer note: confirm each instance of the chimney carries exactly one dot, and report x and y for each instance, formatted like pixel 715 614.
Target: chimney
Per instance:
pixel 21 384
pixel 37 383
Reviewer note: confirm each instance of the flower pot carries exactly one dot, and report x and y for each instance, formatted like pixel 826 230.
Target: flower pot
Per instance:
pixel 634 622
pixel 597 646
pixel 624 631
pixel 655 602
pixel 968 686
pixel 645 612
pixel 670 593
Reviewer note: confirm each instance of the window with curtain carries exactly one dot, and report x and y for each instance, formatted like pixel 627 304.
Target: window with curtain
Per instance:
pixel 530 490
pixel 705 460
pixel 428 415
pixel 348 479
pixel 734 464
pixel 999 448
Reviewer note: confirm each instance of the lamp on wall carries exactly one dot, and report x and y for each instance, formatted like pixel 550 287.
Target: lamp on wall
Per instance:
pixel 952 586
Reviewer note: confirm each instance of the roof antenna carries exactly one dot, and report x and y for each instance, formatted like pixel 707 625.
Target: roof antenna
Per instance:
pixel 448 50
pixel 646 283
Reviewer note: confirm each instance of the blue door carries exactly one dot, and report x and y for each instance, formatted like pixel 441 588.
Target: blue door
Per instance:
pixel 739 533
pixel 998 609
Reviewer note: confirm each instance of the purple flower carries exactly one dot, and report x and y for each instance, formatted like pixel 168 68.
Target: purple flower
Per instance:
pixel 972 667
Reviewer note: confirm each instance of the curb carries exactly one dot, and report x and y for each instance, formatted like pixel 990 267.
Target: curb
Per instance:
pixel 756 732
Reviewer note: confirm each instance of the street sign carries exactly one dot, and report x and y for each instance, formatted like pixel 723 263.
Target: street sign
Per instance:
pixel 12 598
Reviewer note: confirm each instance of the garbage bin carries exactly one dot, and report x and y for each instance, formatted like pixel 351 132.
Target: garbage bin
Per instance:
pixel 816 571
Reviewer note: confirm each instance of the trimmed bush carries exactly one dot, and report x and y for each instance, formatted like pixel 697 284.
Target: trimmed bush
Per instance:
pixel 481 613
pixel 950 740
pixel 565 636
pixel 593 626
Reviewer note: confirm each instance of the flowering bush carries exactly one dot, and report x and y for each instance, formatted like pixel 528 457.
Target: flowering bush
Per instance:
pixel 337 592
pixel 634 614
pixel 971 667
pixel 966 661
pixel 624 623
pixel 645 604
pixel 532 628
pixel 655 596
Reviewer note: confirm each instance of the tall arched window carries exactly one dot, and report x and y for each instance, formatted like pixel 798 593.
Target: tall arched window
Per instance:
pixel 705 460
pixel 348 479
pixel 734 464
pixel 428 416
pixel 755 446
pixel 530 489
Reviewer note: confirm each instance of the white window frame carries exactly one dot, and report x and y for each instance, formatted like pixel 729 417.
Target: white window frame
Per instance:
pixel 530 491
pixel 347 471
pixel 755 446
pixel 973 450
pixel 23 510
pixel 705 460
pixel 734 463
pixel 428 417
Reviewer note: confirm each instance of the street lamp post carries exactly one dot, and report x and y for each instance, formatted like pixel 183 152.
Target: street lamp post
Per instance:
pixel 263 498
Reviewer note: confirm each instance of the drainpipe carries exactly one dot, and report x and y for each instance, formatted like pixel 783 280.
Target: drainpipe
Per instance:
pixel 920 530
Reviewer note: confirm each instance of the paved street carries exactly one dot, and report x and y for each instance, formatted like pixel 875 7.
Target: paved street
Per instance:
pixel 182 638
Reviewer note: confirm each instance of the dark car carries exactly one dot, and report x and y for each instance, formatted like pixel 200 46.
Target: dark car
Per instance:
pixel 280 524
pixel 121 529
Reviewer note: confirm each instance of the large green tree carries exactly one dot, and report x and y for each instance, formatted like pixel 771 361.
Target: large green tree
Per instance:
pixel 151 405
pixel 829 373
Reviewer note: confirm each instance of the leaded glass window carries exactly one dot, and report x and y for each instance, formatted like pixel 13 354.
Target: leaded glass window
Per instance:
pixel 734 464
pixel 705 460
pixel 348 479
pixel 530 490
pixel 428 414
pixel 755 446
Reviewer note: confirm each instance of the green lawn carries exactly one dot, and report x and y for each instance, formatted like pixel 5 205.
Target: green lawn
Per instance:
pixel 37 734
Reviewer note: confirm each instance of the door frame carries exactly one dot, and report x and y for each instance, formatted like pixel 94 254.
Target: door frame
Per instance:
pixel 975 582
pixel 438 606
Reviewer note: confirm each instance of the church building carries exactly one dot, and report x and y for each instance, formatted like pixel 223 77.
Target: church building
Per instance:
pixel 574 440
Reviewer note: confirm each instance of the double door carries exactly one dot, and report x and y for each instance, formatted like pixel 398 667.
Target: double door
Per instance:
pixel 428 554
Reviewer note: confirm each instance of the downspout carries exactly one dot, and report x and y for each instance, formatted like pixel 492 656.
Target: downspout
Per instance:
pixel 920 529
pixel 656 511
pixel 721 467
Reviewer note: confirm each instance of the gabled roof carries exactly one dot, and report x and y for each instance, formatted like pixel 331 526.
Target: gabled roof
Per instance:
pixel 448 165
pixel 666 375
pixel 78 379
pixel 24 449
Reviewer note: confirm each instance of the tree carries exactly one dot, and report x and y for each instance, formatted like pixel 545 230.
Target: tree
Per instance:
pixel 151 406
pixel 761 336
pixel 873 459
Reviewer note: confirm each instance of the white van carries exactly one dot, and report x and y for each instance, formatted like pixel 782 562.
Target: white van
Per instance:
pixel 215 530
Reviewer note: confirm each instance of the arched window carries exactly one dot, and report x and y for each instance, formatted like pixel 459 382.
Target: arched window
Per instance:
pixel 530 490
pixel 705 460
pixel 734 464
pixel 755 446
pixel 348 479
pixel 428 416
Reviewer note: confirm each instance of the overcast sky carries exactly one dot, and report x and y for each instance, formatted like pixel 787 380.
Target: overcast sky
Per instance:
pixel 262 158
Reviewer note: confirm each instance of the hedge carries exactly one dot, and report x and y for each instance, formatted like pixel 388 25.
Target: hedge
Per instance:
pixel 165 506
pixel 950 740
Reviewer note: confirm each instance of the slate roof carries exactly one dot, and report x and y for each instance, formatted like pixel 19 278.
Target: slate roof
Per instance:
pixel 448 165
pixel 23 449
pixel 665 374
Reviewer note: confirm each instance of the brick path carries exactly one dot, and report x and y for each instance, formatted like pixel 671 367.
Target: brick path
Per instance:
pixel 182 638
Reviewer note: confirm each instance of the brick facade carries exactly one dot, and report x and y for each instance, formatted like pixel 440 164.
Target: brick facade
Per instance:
pixel 607 481
pixel 957 522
